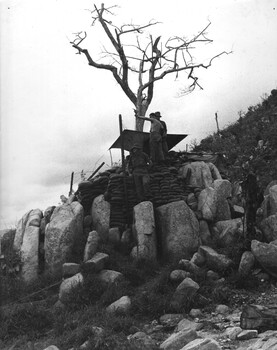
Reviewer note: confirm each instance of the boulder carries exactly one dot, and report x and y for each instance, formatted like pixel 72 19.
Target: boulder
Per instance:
pixel 183 293
pixel 189 266
pixel 216 262
pixel 62 233
pixel 114 236
pixel 247 262
pixel 178 230
pixel 185 323
pixel 269 227
pixel 68 287
pixel 199 174
pixel 97 262
pixel 144 231
pixel 207 204
pixel 29 254
pixel 204 232
pixel 110 276
pixel 198 259
pixel 91 245
pixel 120 307
pixel 78 212
pixel 70 269
pixel 20 228
pixel 100 212
pixel 179 275
pixel 202 344
pixel 142 341
pixel 266 255
pixel 170 320
pixel 178 340
pixel 228 232
pixel 223 190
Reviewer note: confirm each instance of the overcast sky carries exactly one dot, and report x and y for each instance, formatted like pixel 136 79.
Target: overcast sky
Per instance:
pixel 59 115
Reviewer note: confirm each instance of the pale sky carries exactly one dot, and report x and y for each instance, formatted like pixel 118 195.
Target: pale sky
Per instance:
pixel 59 115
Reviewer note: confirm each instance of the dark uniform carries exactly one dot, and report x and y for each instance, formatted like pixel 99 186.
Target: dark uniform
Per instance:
pixel 163 134
pixel 138 167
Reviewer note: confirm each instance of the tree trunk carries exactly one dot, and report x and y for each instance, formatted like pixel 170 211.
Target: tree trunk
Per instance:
pixel 141 109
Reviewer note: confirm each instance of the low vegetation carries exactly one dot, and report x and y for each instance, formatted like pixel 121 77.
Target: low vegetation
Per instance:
pixel 30 313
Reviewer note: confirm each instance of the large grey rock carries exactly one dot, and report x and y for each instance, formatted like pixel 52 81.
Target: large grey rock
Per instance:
pixel 228 232
pixel 179 275
pixel 20 227
pixel 178 340
pixel 202 174
pixel 183 293
pixel 178 230
pixel 110 276
pixel 29 254
pixel 100 212
pixel 186 323
pixel 223 189
pixel 78 211
pixel 247 262
pixel 207 204
pixel 202 344
pixel 97 262
pixel 120 307
pixel 142 341
pixel 269 227
pixel 204 232
pixel 215 261
pixel 62 233
pixel 144 231
pixel 68 287
pixel 91 245
pixel 170 320
pixel 213 203
pixel 265 341
pixel 70 269
pixel 26 241
pixel 266 255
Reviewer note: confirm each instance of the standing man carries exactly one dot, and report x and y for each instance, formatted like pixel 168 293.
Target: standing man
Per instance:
pixel 138 166
pixel 156 152
pixel 164 134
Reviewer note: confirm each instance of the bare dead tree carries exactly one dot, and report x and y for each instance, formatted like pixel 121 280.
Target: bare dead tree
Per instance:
pixel 149 59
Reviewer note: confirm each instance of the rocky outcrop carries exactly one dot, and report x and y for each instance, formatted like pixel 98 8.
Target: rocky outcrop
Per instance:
pixel 61 235
pixel 26 241
pixel 269 227
pixel 91 245
pixel 228 232
pixel 178 230
pixel 144 232
pixel 100 212
pixel 199 174
pixel 266 255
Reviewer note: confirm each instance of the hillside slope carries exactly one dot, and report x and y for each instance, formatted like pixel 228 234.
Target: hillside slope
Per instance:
pixel 249 144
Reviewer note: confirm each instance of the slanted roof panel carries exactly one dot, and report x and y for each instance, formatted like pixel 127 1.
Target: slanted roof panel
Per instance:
pixel 131 136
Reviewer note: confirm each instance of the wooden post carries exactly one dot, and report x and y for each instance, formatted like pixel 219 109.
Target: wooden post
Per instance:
pixel 71 183
pixel 216 120
pixel 123 165
pixel 95 171
pixel 122 143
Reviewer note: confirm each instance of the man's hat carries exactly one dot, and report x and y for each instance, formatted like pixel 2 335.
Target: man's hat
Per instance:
pixel 136 145
pixel 158 114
